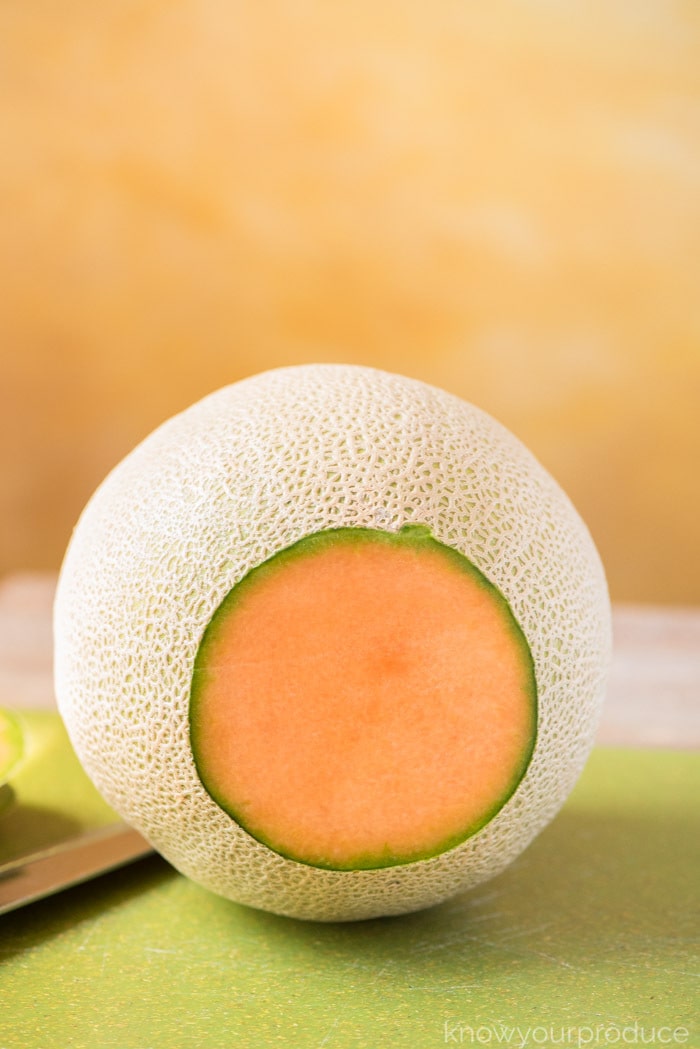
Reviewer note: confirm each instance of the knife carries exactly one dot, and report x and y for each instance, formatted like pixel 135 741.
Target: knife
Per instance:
pixel 49 870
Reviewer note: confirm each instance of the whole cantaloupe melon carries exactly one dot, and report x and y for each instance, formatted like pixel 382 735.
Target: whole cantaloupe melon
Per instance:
pixel 334 641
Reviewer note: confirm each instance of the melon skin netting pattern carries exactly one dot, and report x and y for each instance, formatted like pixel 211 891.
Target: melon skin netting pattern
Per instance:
pixel 245 473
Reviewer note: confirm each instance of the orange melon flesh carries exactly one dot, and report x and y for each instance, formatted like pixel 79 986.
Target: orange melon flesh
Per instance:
pixel 363 699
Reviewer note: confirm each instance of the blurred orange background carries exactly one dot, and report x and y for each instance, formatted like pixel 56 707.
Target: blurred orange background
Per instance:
pixel 500 199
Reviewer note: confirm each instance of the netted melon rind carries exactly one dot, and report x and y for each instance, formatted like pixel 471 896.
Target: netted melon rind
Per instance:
pixel 238 477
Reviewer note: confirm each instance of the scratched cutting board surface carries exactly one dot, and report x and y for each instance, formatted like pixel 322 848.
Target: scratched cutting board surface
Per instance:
pixel 589 938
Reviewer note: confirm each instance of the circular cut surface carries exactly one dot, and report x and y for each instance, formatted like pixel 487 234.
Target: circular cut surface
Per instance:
pixel 363 699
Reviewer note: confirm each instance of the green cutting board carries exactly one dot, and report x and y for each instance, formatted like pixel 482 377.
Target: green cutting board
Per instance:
pixel 588 939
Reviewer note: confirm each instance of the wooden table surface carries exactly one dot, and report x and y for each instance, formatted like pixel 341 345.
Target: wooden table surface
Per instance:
pixel 653 693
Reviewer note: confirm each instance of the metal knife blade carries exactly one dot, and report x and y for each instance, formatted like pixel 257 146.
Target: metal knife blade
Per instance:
pixel 42 873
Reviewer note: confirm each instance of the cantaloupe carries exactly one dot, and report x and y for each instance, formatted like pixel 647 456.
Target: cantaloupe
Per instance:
pixel 334 641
